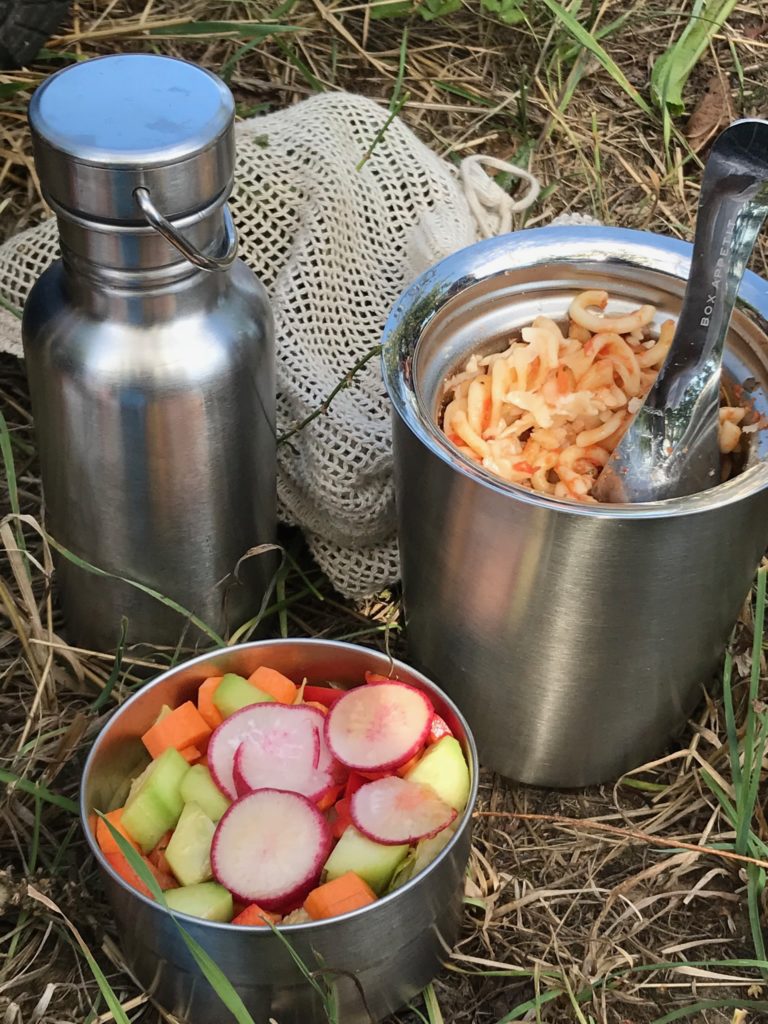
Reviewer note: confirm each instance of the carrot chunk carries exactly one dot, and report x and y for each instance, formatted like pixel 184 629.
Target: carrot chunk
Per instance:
pixel 254 915
pixel 184 727
pixel 104 837
pixel 374 678
pixel 157 856
pixel 119 863
pixel 270 681
pixel 341 818
pixel 316 704
pixel 205 704
pixel 190 754
pixel 329 798
pixel 348 892
pixel 403 770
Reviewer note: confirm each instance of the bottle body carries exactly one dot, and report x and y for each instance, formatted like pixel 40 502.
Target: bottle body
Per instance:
pixel 154 407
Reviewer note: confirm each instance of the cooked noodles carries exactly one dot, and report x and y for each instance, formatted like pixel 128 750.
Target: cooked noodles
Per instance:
pixel 548 411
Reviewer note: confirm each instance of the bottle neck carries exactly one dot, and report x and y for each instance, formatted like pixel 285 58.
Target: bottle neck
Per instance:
pixel 132 272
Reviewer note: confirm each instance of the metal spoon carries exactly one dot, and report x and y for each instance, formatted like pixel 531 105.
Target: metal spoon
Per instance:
pixel 671 446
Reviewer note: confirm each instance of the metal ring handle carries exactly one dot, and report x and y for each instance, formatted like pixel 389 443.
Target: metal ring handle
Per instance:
pixel 170 234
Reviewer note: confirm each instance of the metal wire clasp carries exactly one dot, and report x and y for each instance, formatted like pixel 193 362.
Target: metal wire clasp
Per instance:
pixel 170 234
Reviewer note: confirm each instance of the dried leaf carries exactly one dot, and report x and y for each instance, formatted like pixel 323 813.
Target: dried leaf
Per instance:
pixel 714 111
pixel 755 31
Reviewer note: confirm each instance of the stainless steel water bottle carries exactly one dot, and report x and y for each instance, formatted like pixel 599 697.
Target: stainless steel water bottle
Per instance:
pixel 150 355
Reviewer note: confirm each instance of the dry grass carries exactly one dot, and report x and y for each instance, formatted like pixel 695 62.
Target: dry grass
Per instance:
pixel 572 916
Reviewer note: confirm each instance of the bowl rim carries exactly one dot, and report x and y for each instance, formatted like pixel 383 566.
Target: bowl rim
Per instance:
pixel 493 258
pixel 308 926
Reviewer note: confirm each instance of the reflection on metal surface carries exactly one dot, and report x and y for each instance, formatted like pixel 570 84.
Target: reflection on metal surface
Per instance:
pixel 576 638
pixel 393 948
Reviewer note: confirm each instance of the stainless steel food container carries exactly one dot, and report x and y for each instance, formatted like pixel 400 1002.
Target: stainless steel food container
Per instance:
pixel 388 951
pixel 575 638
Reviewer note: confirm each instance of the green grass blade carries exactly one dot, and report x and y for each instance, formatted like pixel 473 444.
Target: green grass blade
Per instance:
pixel 243 632
pixel 9 465
pixel 755 888
pixel 96 571
pixel 401 69
pixel 282 615
pixel 465 94
pixel 434 1013
pixel 722 797
pixel 114 675
pixel 672 69
pixel 712 1004
pixel 39 791
pixel 11 88
pixel 229 65
pixel 523 1009
pixel 600 33
pixel 730 724
pixel 208 967
pixel 303 577
pixel 588 41
pixel 34 845
pixel 10 308
pixel 306 72
pixel 395 9
pixel 235 29
pixel 647 787
pixel 417 1013
pixel 752 765
pixel 310 976
pixel 746 805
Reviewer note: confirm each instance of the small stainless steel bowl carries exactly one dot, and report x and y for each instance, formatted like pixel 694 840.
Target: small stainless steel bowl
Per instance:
pixel 388 951
pixel 576 638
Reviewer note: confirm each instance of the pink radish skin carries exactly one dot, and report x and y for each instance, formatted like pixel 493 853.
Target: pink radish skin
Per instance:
pixel 319 737
pixel 379 727
pixel 269 848
pixel 286 731
pixel 392 811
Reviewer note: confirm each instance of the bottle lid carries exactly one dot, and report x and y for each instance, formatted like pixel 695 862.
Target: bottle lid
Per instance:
pixel 105 127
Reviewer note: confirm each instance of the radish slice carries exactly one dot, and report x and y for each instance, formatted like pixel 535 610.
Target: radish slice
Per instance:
pixel 286 735
pixel 269 848
pixel 292 768
pixel 394 811
pixel 374 728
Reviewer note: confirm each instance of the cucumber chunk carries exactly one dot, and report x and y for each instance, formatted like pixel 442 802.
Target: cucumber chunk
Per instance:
pixel 154 803
pixel 373 862
pixel 234 692
pixel 189 851
pixel 198 787
pixel 444 768
pixel 208 900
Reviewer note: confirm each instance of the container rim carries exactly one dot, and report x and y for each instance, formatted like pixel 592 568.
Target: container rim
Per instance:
pixel 396 663
pixel 491 258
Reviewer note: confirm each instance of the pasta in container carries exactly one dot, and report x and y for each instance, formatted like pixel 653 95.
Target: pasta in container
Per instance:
pixel 547 412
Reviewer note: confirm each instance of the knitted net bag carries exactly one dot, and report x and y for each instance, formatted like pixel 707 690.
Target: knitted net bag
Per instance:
pixel 337 212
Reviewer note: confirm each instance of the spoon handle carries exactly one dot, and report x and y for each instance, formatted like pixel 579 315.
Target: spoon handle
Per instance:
pixel 732 208
pixel 670 447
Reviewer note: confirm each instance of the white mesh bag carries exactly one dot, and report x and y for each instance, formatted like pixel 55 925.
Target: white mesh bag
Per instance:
pixel 336 215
